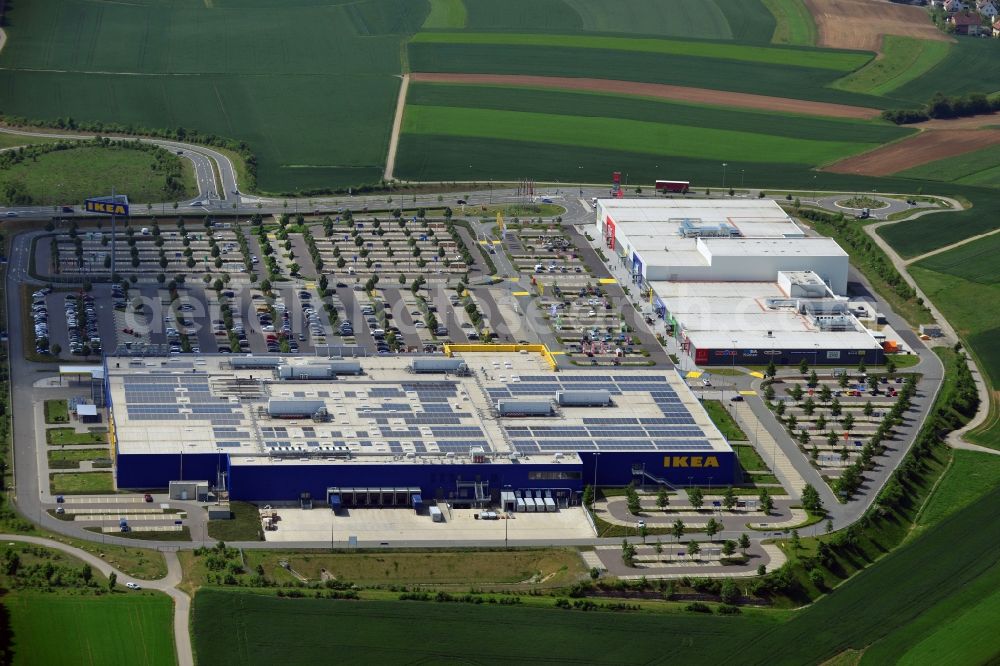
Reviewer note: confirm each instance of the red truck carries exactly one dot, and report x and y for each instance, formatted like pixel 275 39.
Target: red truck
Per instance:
pixel 679 186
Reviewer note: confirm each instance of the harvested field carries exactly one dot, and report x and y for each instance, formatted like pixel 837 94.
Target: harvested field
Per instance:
pixel 925 147
pixel 656 91
pixel 860 24
pixel 971 122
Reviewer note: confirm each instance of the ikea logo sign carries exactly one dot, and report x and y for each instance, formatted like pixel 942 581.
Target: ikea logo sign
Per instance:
pixel 690 461
pixel 107 207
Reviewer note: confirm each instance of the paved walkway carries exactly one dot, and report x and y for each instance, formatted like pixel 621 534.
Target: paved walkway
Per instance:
pixel 397 124
pixel 167 585
pixel 768 448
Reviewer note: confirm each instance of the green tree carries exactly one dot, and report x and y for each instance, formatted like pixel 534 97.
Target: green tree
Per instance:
pixel 809 406
pixel 695 497
pixel 632 500
pixel 769 393
pixel 890 367
pixel 796 392
pixel 821 422
pixel 813 380
pixel 677 529
pixel 712 527
pixel 744 543
pixel 658 548
pixel 804 437
pixel 729 498
pixel 729 593
pixel 825 393
pixel 803 366
pixel 843 380
pixel 869 409
pixel 861 366
pixel 848 421
pixel 662 500
pixel 812 501
pixel 693 549
pixel 835 407
pixel 796 541
pixel 766 503
pixel 643 531
pixel 728 547
pixel 112 581
pixel 771 370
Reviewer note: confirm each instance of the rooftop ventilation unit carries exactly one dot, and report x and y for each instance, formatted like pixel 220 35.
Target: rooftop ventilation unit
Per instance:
pixel 580 398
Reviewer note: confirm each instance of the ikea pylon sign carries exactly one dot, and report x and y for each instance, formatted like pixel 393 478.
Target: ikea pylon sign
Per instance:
pixel 106 206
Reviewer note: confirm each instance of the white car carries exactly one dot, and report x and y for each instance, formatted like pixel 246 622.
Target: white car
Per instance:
pixel 706 381
pixel 133 586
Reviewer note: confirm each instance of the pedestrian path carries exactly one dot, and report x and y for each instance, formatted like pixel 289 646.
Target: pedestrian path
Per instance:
pixel 769 450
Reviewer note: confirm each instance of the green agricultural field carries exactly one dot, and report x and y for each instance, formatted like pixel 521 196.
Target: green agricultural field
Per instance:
pixel 691 19
pixel 975 262
pixel 971 476
pixel 800 82
pixel 972 307
pixel 310 86
pixel 916 237
pixel 839 61
pixel 981 167
pixel 903 59
pixel 446 14
pixel 970 66
pixel 118 629
pixel 888 600
pixel 794 23
pixel 628 107
pixel 70 176
pixel 635 136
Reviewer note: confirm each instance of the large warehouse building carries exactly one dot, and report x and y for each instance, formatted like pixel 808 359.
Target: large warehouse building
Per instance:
pixel 737 281
pixel 378 431
pixel 714 240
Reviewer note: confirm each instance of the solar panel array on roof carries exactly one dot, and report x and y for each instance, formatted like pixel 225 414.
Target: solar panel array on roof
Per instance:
pixel 675 430
pixel 176 397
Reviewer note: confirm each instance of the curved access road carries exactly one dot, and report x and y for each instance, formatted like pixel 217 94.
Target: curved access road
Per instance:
pixel 167 585
pixel 207 162
pixel 955 437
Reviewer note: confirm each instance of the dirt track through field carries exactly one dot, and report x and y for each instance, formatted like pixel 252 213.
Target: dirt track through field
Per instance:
pixel 860 24
pixel 657 91
pixel 928 146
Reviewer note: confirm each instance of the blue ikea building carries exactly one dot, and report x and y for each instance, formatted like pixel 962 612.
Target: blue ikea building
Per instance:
pixel 381 431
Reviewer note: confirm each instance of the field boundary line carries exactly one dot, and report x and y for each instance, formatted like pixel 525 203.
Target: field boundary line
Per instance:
pixel 658 91
pixel 960 243
pixel 397 124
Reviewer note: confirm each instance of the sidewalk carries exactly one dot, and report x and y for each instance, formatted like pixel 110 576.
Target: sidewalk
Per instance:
pixel 769 450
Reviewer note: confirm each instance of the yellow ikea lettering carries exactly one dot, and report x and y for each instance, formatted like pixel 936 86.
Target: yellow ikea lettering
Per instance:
pixel 690 461
pixel 100 207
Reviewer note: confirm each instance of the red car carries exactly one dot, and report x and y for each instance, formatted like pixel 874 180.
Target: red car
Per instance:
pixel 147 498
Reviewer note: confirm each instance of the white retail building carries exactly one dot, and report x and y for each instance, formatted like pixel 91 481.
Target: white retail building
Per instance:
pixel 737 280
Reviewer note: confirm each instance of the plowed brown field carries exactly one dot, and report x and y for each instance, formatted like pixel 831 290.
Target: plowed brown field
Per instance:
pixel 860 24
pixel 658 91
pixel 925 147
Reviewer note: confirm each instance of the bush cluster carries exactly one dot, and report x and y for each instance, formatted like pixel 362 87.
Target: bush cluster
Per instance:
pixel 942 106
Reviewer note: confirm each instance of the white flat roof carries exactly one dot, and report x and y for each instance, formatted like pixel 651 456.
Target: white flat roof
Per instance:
pixel 764 247
pixel 706 210
pixel 714 314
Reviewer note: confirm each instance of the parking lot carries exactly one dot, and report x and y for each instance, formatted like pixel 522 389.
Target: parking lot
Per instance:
pixel 377 526
pixel 832 418
pixel 295 284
